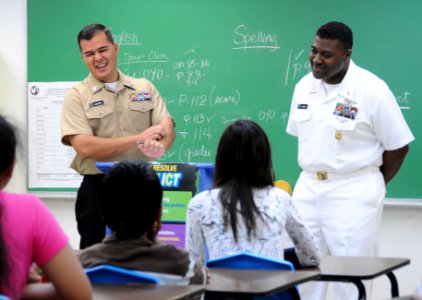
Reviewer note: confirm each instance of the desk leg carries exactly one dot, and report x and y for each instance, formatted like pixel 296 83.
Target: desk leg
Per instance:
pixel 361 289
pixel 394 285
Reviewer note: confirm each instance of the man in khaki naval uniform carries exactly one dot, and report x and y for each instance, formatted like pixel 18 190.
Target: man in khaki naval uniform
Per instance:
pixel 109 117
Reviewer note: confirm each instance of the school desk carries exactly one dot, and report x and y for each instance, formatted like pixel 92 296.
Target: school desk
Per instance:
pixel 145 291
pixel 245 284
pixel 355 269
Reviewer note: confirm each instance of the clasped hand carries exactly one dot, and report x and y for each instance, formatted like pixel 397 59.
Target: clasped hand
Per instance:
pixel 149 142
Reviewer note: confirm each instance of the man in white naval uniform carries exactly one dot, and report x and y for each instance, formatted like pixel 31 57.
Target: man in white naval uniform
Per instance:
pixel 352 140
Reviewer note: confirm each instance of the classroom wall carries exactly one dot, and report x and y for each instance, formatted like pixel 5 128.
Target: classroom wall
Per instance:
pixel 13 73
pixel 400 233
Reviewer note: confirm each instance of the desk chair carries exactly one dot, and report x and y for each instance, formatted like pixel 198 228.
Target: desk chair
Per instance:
pixel 291 256
pixel 284 185
pixel 108 274
pixel 251 261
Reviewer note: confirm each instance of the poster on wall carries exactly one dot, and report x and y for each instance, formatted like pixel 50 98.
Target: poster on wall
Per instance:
pixel 179 185
pixel 179 182
pixel 48 159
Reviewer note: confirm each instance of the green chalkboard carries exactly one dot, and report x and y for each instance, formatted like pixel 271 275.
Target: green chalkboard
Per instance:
pixel 214 61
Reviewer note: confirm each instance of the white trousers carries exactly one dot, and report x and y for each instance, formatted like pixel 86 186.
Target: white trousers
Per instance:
pixel 344 214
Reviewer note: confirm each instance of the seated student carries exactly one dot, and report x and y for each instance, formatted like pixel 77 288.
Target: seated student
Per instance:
pixel 244 211
pixel 130 199
pixel 30 234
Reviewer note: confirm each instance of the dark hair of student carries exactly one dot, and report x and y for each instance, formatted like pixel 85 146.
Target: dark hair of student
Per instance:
pixel 243 162
pixel 130 199
pixel 88 32
pixel 8 142
pixel 337 31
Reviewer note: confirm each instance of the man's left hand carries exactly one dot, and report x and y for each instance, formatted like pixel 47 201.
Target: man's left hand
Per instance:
pixel 152 148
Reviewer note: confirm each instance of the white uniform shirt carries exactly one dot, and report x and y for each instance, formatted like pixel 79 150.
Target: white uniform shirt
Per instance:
pixel 350 128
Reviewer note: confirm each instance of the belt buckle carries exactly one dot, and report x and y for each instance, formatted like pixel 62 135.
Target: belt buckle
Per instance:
pixel 321 175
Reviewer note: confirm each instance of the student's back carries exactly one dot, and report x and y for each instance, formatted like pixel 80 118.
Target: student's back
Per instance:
pixel 205 219
pixel 130 202
pixel 30 234
pixel 245 212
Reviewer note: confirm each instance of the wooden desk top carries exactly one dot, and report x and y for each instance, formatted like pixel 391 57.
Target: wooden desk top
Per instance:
pixel 358 267
pixel 145 291
pixel 255 282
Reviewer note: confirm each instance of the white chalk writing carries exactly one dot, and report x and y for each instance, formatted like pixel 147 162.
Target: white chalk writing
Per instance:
pixel 198 118
pixel 228 98
pixel 192 154
pixel 297 65
pixel 243 39
pixel 126 38
pixel 190 70
pixel 403 100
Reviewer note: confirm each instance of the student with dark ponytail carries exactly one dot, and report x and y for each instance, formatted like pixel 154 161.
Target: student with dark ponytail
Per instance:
pixel 29 235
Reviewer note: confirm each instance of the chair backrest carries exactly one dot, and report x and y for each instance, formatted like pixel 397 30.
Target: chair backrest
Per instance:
pixel 284 185
pixel 111 274
pixel 249 261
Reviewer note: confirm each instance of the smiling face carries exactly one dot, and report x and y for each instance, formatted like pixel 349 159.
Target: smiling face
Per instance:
pixel 329 60
pixel 100 56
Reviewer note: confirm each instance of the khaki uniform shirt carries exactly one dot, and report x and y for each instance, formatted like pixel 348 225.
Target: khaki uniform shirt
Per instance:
pixel 93 109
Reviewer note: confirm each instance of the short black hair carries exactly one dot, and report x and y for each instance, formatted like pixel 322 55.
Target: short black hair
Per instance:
pixel 337 31
pixel 88 32
pixel 130 198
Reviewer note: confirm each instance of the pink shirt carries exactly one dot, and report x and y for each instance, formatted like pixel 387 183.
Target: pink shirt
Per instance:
pixel 31 234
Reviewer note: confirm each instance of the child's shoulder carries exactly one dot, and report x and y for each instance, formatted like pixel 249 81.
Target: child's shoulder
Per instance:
pixel 207 197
